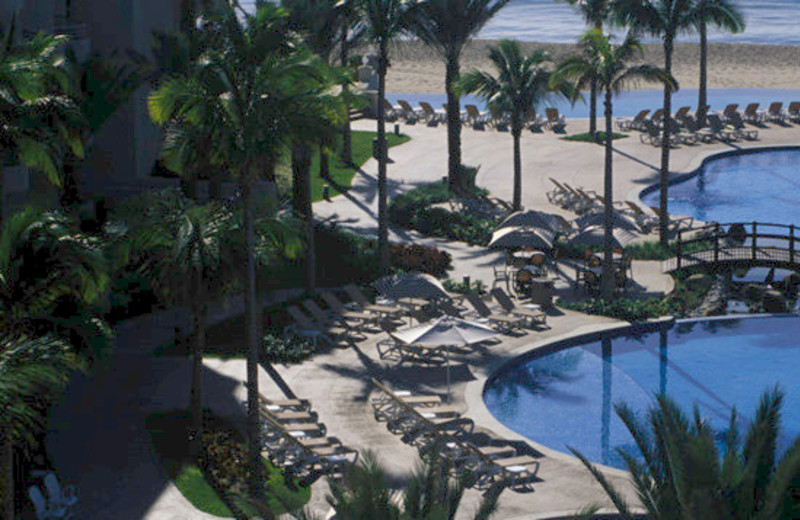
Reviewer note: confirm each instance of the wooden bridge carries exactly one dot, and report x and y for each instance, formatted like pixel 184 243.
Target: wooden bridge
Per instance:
pixel 749 244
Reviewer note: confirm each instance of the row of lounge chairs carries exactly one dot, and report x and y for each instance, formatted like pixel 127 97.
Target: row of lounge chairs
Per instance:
pixel 424 422
pixel 472 116
pixel 294 440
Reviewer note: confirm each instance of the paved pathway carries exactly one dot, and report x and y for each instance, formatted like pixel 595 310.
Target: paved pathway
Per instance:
pixel 97 436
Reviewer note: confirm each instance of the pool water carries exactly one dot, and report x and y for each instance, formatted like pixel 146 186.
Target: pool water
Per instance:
pixel 566 398
pixel 760 186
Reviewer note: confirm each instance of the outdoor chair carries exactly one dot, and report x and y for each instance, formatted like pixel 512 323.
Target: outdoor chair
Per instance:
pixel 681 113
pixel 657 118
pixel 701 134
pixel 333 319
pixel 626 125
pixel 278 404
pixel 679 135
pixel 533 121
pixel 501 274
pixel 752 115
pixel 650 133
pixel 475 118
pixel 338 307
pixel 502 322
pixel 358 297
pixel 533 313
pixel 741 129
pixel 774 112
pixel 389 403
pixel 408 113
pixel 390 348
pixel 720 131
pixel 430 115
pixel 43 510
pixel 305 326
pixel 729 111
pixel 560 195
pixel 390 112
pixel 555 121
pixel 793 112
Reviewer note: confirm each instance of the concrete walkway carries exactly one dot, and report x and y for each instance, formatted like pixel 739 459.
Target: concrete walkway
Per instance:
pixel 97 436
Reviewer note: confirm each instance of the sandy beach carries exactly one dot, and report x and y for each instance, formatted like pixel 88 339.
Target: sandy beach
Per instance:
pixel 416 68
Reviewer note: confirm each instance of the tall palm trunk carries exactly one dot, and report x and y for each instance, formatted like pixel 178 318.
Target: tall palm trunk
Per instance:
pixel 455 176
pixel 702 96
pixel 608 193
pixel 6 473
pixel 516 134
pixel 301 170
pixel 665 146
pixel 198 347
pixel 347 142
pixel 253 350
pixel 593 96
pixel 383 217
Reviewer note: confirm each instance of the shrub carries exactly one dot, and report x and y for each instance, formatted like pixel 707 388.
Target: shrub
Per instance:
pixel 225 460
pixel 419 258
pixel 286 350
pixel 625 308
pixel 474 286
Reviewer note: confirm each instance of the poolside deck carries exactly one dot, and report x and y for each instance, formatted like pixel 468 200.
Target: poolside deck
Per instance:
pixel 111 460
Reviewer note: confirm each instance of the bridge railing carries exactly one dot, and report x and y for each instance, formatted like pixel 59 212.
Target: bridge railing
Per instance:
pixel 741 235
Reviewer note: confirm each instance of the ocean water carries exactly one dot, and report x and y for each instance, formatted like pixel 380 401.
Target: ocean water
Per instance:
pixel 768 22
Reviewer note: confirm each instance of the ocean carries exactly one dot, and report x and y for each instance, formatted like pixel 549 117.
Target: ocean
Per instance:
pixel 772 22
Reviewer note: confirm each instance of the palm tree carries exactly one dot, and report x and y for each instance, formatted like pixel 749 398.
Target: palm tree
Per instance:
pixel 248 87
pixel 595 13
pixel 682 474
pixel 32 371
pixel 447 26
pixel 723 14
pixel 431 493
pixel 384 20
pixel 664 19
pixel 608 66
pixel 522 83
pixel 37 120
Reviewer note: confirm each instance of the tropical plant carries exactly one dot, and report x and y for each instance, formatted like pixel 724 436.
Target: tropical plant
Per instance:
pixel 254 72
pixel 595 13
pixel 448 26
pixel 681 473
pixel 37 120
pixel 384 21
pixel 664 19
pixel 522 83
pixel 608 66
pixel 32 371
pixel 722 14
pixel 431 493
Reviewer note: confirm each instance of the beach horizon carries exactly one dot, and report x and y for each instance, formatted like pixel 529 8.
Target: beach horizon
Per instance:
pixel 416 68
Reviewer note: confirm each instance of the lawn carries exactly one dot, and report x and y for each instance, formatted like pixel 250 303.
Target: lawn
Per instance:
pixel 586 137
pixel 168 433
pixel 341 175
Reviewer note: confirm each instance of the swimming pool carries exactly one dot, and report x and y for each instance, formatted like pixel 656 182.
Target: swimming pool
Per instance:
pixel 566 397
pixel 759 186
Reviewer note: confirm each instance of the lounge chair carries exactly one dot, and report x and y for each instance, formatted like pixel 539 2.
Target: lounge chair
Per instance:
pixel 679 135
pixel 358 297
pixel 729 110
pixel 333 335
pixel 752 115
pixel 560 195
pixel 743 132
pixel 635 123
pixel 338 307
pixel 793 112
pixel 387 405
pixel 650 133
pixel 701 134
pixel 392 349
pixel 657 117
pixel 476 118
pixel 533 313
pixel 774 112
pixel 720 131
pixel 333 319
pixel 58 496
pixel 533 121
pixel 675 223
pixel 644 219
pixel 502 322
pixel 429 115
pixel 408 113
pixel 555 121
pixel 700 116
pixel 500 119
pixel 42 509
pixel 390 112
pixel 288 404
pixel 681 113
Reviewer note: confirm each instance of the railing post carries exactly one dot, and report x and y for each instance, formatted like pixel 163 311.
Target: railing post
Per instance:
pixel 716 242
pixel 753 248
pixel 791 243
pixel 679 250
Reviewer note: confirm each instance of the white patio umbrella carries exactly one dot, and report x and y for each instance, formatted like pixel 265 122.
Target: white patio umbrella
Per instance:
pixel 595 235
pixel 597 218
pixel 445 332
pixel 535 219
pixel 522 237
pixel 411 285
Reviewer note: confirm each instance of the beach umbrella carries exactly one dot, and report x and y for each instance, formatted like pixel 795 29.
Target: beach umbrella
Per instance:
pixel 594 236
pixel 619 220
pixel 517 237
pixel 445 332
pixel 411 285
pixel 535 219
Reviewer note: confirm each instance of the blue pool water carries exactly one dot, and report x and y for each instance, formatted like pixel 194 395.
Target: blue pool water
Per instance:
pixel 759 186
pixel 567 398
